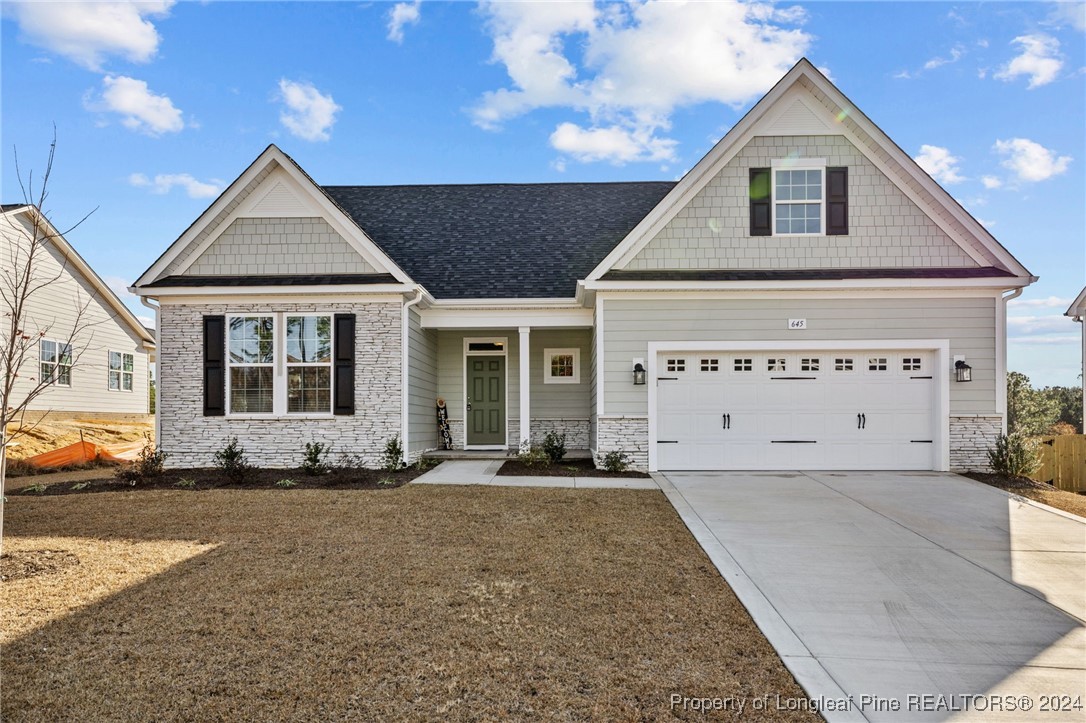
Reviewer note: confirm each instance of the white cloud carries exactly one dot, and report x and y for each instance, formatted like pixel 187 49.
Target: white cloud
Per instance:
pixel 991 182
pixel 1039 325
pixel 163 183
pixel 1071 13
pixel 89 32
pixel 611 143
pixel 985 222
pixel 939 164
pixel 637 64
pixel 309 114
pixel 1047 339
pixel 119 287
pixel 1051 302
pixel 400 15
pixel 139 108
pixel 1040 60
pixel 955 55
pixel 1030 161
pixel 148 321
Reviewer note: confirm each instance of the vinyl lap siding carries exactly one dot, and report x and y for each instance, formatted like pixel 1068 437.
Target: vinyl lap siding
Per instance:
pixel 969 324
pixel 421 386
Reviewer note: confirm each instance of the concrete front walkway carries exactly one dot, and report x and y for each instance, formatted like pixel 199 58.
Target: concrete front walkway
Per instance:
pixel 902 585
pixel 485 472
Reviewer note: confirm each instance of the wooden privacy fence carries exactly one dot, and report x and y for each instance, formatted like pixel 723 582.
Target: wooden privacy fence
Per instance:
pixel 1063 462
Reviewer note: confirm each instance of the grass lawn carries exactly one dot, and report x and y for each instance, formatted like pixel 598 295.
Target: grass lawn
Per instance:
pixel 417 603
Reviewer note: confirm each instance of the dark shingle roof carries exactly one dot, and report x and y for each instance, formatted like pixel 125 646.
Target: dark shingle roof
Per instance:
pixel 499 240
pixel 805 274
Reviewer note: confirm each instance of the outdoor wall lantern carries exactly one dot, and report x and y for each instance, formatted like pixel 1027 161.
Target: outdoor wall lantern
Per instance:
pixel 963 371
pixel 639 373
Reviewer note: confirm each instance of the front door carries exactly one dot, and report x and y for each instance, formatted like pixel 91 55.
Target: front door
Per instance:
pixel 486 400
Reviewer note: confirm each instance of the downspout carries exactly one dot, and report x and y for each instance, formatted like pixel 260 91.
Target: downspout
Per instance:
pixel 1001 355
pixel 158 390
pixel 405 317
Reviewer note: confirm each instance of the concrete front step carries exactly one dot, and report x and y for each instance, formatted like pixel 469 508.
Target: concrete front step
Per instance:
pixel 444 454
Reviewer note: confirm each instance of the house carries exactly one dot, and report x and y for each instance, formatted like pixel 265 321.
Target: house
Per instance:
pixel 93 349
pixel 805 297
pixel 1077 311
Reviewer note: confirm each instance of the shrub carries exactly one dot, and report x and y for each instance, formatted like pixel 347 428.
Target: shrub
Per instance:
pixel 1014 455
pixel 315 461
pixel 80 486
pixel 38 489
pixel 286 483
pixel 232 461
pixel 150 463
pixel 392 458
pixel 426 463
pixel 1061 428
pixel 185 484
pixel 554 446
pixel 615 461
pixel 533 457
pixel 386 482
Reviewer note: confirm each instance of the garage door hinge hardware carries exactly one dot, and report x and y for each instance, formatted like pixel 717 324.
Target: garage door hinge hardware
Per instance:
pixel 919 377
pixel 794 441
pixel 794 378
pixel 920 441
pixel 726 420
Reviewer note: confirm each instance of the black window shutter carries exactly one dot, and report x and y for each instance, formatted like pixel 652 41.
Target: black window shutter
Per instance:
pixel 343 365
pixel 214 366
pixel 836 201
pixel 761 200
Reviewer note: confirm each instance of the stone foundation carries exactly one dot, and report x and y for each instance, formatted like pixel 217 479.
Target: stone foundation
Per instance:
pixel 629 435
pixel 970 439
pixel 576 431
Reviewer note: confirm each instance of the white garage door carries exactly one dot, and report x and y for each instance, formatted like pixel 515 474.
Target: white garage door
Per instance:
pixel 795 410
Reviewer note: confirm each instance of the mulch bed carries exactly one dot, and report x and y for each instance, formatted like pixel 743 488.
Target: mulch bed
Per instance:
pixel 568 468
pixel 1036 491
pixel 420 603
pixel 208 478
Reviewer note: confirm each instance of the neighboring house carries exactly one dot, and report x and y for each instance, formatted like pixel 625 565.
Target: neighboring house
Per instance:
pixel 798 300
pixel 1077 311
pixel 102 370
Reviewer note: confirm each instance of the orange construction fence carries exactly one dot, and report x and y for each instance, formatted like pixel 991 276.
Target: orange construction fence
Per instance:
pixel 83 452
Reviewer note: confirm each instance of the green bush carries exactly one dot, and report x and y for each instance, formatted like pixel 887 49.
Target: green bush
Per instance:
pixel 1014 455
pixel 533 457
pixel 286 483
pixel 150 463
pixel 554 446
pixel 392 458
pixel 185 484
pixel 615 461
pixel 232 461
pixel 315 461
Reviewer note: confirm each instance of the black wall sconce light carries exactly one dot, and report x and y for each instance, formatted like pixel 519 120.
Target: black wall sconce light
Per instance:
pixel 962 371
pixel 639 373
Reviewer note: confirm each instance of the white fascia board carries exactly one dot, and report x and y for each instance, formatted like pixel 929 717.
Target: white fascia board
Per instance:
pixel 438 318
pixel 384 292
pixel 510 303
pixel 828 284
pixel 84 269
pixel 856 294
pixel 1077 309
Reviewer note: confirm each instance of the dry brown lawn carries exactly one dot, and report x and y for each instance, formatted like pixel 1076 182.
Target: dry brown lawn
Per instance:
pixel 418 603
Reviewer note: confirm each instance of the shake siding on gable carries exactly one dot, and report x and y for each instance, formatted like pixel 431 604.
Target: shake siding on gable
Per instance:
pixel 56 308
pixel 266 246
pixel 886 229
pixel 421 386
pixel 969 324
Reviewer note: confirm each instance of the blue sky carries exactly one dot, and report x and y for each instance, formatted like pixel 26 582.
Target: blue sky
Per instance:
pixel 158 105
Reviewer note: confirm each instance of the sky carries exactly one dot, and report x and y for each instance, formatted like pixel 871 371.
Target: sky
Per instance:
pixel 159 105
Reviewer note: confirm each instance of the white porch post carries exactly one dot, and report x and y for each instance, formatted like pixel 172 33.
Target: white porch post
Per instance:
pixel 525 385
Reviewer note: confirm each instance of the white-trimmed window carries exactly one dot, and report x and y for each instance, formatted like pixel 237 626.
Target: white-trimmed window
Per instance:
pixel 562 366
pixel 122 369
pixel 309 364
pixel 56 362
pixel 799 199
pixel 250 360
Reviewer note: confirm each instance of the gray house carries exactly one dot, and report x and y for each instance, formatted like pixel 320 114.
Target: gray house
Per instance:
pixel 805 297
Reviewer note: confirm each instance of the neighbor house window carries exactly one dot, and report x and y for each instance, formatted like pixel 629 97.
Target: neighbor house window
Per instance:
pixel 562 366
pixel 251 358
pixel 309 364
pixel 121 370
pixel 797 201
pixel 56 362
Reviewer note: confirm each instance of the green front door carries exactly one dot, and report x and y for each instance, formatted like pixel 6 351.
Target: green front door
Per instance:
pixel 486 400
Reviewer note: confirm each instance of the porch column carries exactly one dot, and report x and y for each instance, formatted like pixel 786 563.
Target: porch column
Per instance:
pixel 525 385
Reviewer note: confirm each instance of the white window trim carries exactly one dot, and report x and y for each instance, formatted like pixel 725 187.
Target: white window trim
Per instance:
pixel 278 365
pixel 330 364
pixel 121 371
pixel 798 164
pixel 575 353
pixel 54 376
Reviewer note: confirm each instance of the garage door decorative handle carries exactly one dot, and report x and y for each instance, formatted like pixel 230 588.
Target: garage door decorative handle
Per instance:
pixel 726 421
pixel 861 421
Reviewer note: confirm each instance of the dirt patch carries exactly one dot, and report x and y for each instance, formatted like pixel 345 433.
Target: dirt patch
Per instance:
pixel 422 603
pixel 570 468
pixel 1036 491
pixel 29 563
pixel 209 478
pixel 53 434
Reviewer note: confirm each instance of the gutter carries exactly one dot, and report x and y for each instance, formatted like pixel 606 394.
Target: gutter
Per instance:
pixel 158 392
pixel 405 372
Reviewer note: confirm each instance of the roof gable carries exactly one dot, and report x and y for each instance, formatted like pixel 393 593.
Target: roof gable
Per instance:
pixel 778 113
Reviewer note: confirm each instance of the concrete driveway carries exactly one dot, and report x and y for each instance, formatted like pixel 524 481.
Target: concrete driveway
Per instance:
pixel 902 585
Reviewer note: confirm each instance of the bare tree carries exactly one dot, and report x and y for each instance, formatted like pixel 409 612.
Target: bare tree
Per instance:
pixel 32 266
